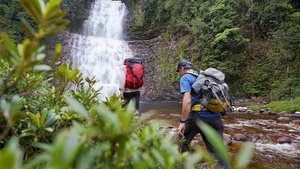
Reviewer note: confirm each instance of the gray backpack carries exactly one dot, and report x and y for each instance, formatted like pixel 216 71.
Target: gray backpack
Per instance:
pixel 213 91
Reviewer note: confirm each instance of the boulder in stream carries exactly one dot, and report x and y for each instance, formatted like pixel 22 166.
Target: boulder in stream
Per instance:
pixel 284 139
pixel 239 137
pixel 227 139
pixel 284 119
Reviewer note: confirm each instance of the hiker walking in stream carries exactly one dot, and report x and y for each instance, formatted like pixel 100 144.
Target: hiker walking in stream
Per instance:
pixel 134 81
pixel 192 110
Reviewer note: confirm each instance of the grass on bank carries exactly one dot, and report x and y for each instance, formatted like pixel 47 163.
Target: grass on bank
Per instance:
pixel 292 105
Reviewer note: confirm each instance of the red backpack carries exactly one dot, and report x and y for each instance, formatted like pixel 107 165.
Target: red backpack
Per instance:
pixel 134 73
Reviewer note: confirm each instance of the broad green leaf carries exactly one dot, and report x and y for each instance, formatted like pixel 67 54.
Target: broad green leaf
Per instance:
pixel 67 72
pixel 11 156
pixel 49 129
pixel 214 138
pixel 40 56
pixel 11 109
pixel 33 9
pixel 52 6
pixel 66 149
pixel 158 157
pixel 28 28
pixel 244 156
pixel 42 68
pixel 9 50
pixel 191 160
pixel 77 107
pixel 58 49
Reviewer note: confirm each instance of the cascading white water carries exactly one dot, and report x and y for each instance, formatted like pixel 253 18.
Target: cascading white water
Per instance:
pixel 100 50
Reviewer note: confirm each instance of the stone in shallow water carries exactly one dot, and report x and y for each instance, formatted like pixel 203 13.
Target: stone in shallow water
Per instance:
pixel 284 139
pixel 296 121
pixel 240 137
pixel 242 109
pixel 227 139
pixel 284 119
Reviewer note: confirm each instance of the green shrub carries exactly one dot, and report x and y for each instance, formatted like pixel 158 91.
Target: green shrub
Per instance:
pixel 288 105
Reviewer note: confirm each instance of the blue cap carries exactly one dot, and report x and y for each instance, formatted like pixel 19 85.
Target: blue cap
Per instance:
pixel 185 64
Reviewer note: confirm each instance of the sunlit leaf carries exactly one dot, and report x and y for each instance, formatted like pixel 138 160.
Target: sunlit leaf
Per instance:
pixel 191 160
pixel 11 156
pixel 28 28
pixel 42 68
pixel 77 107
pixel 216 141
pixel 244 156
pixel 33 8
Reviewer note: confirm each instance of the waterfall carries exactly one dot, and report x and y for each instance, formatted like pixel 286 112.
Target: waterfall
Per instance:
pixel 100 51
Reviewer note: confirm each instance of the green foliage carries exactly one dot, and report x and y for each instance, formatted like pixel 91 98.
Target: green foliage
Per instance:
pixel 49 17
pixel 256 43
pixel 11 111
pixel 23 73
pixel 77 12
pixel 11 156
pixel 288 105
pixel 84 91
pixel 149 16
pixel 11 12
pixel 40 126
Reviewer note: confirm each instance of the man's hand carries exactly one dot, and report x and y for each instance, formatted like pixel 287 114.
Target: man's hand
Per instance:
pixel 181 128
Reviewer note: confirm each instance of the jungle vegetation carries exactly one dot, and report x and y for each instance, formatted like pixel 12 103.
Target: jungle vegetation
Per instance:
pixel 255 42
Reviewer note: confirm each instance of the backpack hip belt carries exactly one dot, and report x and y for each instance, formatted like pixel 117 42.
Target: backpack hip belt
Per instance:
pixel 198 108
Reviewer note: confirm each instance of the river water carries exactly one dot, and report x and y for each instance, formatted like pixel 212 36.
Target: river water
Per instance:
pixel 261 130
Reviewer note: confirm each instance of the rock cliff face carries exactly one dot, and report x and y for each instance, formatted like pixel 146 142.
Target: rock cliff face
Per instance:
pixel 156 88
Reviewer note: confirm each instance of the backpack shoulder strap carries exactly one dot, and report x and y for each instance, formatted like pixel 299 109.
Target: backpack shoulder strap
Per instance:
pixel 195 73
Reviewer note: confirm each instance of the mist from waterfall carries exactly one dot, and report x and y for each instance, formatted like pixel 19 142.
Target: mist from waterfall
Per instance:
pixel 100 51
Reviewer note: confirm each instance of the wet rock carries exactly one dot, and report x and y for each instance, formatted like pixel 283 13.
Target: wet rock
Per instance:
pixel 242 109
pixel 256 137
pixel 250 111
pixel 295 122
pixel 283 112
pixel 269 127
pixel 256 113
pixel 292 115
pixel 240 137
pixel 173 132
pixel 261 111
pixel 271 113
pixel 283 119
pixel 284 139
pixel 227 139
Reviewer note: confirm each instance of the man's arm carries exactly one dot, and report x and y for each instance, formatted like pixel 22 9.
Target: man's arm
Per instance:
pixel 186 105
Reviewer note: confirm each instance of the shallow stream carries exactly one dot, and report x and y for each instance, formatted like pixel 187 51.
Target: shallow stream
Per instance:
pixel 261 130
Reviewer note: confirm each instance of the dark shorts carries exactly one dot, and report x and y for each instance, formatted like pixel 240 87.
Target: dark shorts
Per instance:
pixel 135 96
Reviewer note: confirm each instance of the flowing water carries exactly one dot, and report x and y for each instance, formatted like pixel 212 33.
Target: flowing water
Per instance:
pixel 261 130
pixel 100 50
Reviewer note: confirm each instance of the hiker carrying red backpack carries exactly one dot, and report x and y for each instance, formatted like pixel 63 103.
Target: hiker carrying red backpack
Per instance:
pixel 134 80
